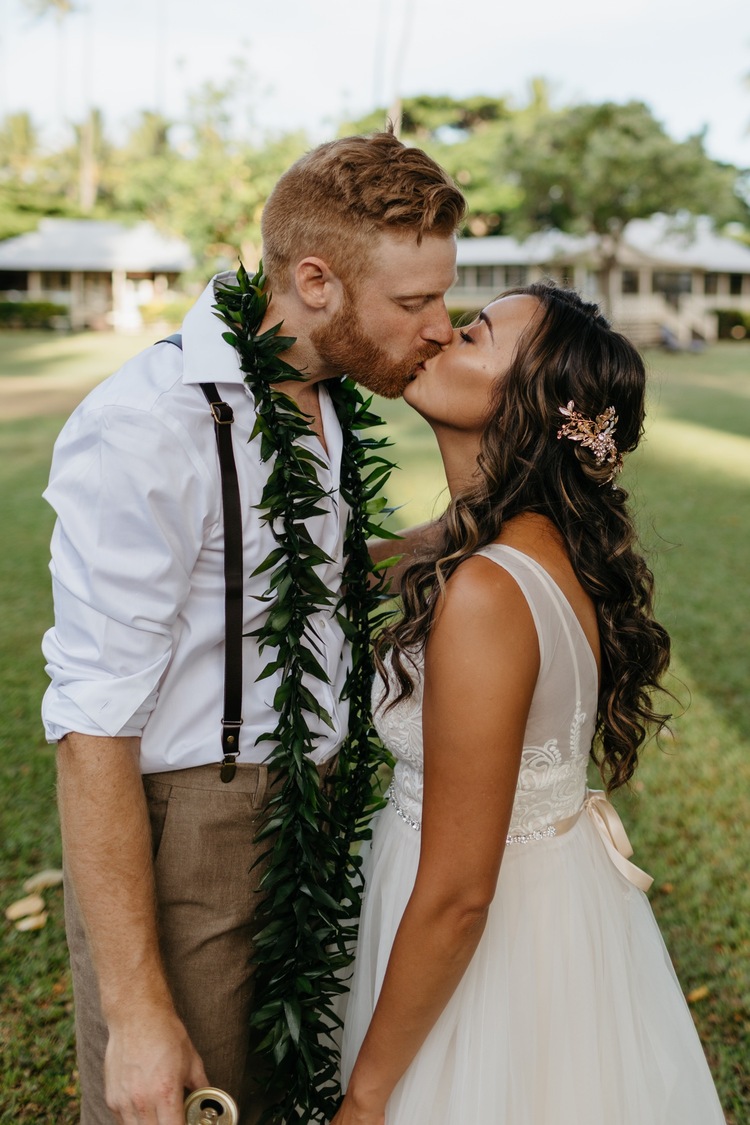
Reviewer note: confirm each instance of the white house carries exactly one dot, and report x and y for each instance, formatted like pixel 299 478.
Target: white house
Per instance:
pixel 102 272
pixel 668 277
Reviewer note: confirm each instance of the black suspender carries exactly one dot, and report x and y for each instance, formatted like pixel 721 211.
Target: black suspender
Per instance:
pixel 223 417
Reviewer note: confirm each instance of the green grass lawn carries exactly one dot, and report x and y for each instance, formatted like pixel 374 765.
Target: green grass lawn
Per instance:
pixel 85 355
pixel 687 814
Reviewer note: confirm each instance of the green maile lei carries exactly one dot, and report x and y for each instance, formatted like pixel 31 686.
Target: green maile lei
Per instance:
pixel 307 917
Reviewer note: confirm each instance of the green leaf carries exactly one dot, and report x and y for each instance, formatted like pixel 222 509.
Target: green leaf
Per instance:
pixel 293 1014
pixel 275 556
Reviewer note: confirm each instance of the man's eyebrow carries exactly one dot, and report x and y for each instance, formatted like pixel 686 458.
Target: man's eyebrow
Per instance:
pixel 483 316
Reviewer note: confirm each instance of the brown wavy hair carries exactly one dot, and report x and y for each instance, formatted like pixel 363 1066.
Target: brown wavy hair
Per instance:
pixel 569 351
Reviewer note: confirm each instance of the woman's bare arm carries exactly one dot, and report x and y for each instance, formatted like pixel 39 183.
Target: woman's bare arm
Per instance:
pixel 481 666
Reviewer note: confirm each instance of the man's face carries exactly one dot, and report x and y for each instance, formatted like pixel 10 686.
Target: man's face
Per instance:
pixel 394 317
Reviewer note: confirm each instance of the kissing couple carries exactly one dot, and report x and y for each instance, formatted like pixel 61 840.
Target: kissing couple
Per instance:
pixel 508 970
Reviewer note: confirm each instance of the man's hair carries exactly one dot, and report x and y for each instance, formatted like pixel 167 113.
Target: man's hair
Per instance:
pixel 333 200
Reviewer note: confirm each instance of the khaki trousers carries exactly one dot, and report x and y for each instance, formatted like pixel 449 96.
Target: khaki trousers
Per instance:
pixel 203 833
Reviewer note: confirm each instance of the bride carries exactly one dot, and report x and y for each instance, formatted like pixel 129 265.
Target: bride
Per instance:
pixel 509 969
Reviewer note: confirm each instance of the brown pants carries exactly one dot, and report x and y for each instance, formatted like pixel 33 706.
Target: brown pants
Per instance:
pixel 203 833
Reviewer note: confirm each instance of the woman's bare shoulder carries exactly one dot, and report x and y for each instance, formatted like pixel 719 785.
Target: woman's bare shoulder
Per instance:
pixel 481 596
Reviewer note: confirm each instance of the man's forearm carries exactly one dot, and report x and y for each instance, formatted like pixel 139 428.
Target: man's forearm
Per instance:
pixel 107 844
pixel 414 541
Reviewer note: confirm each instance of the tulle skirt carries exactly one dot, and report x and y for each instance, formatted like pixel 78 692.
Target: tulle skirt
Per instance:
pixel 569 1013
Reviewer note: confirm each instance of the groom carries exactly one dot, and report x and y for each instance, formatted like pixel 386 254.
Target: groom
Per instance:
pixel 359 250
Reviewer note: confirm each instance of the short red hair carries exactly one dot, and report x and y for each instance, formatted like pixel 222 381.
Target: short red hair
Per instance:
pixel 333 200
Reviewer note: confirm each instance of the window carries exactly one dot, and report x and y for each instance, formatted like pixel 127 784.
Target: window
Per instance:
pixel 630 281
pixel 672 282
pixel 735 284
pixel 564 275
pixel 711 284
pixel 461 277
pixel 14 279
pixel 54 280
pixel 516 275
pixel 595 284
pixel 485 277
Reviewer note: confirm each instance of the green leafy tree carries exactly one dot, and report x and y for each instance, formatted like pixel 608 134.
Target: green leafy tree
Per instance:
pixel 19 148
pixel 26 192
pixel 582 168
pixel 138 180
pixel 220 183
pixel 593 168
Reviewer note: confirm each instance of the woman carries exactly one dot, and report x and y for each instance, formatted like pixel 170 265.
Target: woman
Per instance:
pixel 538 992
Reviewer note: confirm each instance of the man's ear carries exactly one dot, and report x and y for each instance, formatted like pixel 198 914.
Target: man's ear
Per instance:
pixel 317 285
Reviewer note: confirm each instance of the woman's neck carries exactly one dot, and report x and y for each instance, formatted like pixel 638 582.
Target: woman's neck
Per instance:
pixel 459 451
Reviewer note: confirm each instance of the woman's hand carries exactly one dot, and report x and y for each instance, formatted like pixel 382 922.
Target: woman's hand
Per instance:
pixel 350 1114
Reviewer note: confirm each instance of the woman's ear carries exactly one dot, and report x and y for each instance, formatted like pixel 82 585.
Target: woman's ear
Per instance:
pixel 318 287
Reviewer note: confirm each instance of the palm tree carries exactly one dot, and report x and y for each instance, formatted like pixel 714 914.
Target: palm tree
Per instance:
pixel 40 9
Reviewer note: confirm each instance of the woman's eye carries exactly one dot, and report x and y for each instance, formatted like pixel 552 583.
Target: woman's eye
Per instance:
pixel 465 336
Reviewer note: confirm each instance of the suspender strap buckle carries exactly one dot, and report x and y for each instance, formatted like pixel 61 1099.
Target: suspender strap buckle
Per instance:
pixel 222 412
pixel 230 730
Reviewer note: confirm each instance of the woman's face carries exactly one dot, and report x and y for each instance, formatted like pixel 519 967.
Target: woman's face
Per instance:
pixel 453 389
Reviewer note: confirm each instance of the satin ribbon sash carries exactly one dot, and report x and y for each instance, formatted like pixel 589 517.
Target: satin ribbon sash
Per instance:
pixel 606 820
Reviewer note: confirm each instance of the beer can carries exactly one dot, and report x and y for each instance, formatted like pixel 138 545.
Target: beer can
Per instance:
pixel 210 1106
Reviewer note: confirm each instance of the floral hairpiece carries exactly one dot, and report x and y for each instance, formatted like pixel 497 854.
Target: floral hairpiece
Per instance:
pixel 596 435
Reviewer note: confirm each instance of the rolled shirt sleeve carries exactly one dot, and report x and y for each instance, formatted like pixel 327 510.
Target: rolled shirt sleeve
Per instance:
pixel 133 501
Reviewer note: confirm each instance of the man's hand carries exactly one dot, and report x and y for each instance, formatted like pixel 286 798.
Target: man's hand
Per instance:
pixel 420 539
pixel 150 1061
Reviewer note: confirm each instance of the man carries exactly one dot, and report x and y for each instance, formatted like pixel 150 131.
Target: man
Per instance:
pixel 359 249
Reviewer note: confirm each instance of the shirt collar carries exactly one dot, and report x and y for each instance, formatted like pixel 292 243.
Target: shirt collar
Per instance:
pixel 208 357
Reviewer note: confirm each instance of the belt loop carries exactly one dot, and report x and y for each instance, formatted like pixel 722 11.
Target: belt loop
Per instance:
pixel 259 796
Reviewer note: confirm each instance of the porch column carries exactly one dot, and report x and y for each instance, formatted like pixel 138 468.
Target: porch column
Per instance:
pixel 77 307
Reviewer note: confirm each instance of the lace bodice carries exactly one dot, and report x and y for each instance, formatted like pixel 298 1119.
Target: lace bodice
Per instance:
pixel 560 728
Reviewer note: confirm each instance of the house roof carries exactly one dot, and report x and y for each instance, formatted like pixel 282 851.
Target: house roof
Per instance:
pixel 546 246
pixel 690 243
pixel 87 244
pixel 687 243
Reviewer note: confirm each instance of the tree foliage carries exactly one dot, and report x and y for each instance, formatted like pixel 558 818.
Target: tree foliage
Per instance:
pixel 595 167
pixel 583 168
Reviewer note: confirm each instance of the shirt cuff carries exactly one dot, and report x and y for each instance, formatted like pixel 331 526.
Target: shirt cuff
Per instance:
pixel 109 707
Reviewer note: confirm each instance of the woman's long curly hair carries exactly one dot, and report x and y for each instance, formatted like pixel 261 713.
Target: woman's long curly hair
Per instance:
pixel 568 352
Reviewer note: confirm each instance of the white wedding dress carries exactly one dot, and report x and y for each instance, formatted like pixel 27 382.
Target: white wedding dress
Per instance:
pixel 570 1012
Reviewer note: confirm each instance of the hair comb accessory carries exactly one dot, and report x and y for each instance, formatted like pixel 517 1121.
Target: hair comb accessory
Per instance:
pixel 595 434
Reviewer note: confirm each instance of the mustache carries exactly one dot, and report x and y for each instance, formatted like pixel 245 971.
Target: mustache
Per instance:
pixel 429 352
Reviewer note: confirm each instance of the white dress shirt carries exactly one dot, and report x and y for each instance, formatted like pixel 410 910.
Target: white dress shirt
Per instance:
pixel 138 560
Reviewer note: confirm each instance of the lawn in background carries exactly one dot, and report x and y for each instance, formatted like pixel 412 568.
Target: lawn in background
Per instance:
pixel 686 816
pixel 83 355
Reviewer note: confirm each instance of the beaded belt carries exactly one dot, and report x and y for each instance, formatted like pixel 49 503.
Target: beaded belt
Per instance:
pixel 602 814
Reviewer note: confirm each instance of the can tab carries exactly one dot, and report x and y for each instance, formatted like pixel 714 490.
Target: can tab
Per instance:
pixel 210 1106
